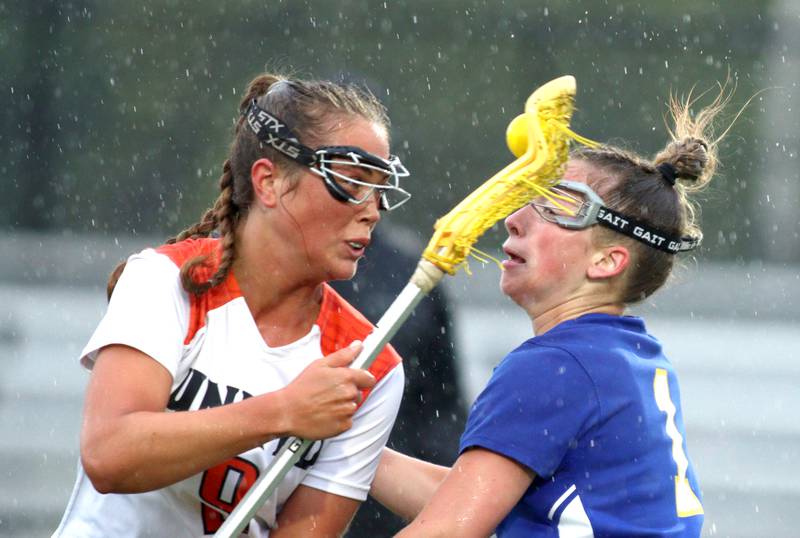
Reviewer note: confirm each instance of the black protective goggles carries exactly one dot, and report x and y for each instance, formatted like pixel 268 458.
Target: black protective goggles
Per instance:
pixel 334 164
pixel 576 206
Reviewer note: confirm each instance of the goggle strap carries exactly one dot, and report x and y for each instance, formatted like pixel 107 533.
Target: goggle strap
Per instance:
pixel 273 131
pixel 644 233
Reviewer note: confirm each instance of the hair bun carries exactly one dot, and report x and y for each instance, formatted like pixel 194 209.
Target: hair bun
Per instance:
pixel 687 157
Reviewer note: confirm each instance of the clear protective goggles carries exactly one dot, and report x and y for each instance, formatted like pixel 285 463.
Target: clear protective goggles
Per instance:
pixel 575 206
pixel 570 204
pixel 350 174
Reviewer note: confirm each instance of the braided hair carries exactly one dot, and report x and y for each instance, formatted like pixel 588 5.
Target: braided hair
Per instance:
pixel 312 109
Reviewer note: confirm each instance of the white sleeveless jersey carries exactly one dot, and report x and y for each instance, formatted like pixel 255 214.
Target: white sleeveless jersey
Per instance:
pixel 216 355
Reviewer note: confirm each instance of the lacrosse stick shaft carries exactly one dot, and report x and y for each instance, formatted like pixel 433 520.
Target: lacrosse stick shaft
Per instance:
pixel 422 282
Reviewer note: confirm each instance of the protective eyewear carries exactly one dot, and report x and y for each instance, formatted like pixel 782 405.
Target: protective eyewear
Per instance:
pixel 349 173
pixel 575 206
pixel 340 166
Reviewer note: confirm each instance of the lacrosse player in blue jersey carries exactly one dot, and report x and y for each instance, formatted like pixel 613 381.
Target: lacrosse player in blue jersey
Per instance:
pixel 580 431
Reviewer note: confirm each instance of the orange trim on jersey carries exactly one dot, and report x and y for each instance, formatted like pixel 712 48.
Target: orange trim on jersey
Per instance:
pixel 217 296
pixel 340 324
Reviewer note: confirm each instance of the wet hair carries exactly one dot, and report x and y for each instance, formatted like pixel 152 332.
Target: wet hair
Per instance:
pixel 656 191
pixel 312 110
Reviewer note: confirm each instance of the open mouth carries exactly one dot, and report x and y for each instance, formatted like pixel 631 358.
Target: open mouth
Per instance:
pixel 513 257
pixel 357 247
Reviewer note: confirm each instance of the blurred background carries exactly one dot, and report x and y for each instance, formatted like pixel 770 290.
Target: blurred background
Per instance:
pixel 117 120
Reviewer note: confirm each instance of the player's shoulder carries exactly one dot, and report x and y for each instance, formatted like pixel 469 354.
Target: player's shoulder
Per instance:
pixel 150 269
pixel 549 359
pixel 163 263
pixel 537 357
pixel 593 333
pixel 187 249
pixel 159 268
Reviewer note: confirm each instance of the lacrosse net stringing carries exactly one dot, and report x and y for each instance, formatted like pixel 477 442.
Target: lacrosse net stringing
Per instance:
pixel 547 115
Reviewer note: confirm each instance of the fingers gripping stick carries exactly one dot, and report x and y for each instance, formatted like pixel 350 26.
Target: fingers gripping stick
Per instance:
pixel 539 138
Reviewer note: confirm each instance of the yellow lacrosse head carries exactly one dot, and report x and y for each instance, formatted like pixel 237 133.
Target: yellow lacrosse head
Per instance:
pixel 539 138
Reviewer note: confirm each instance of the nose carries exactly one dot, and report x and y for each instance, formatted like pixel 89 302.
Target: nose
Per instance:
pixel 512 222
pixel 369 210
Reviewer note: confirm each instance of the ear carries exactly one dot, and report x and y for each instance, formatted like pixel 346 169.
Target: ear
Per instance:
pixel 263 175
pixel 608 262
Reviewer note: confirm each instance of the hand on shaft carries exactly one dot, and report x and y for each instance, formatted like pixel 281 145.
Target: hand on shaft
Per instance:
pixel 321 401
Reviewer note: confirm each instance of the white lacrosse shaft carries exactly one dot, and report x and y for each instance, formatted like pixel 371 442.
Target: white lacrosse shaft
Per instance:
pixel 422 282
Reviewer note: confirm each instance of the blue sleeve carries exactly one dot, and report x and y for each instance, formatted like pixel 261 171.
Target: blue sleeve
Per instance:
pixel 535 407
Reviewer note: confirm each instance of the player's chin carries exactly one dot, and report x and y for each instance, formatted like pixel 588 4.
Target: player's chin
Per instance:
pixel 511 285
pixel 506 282
pixel 343 270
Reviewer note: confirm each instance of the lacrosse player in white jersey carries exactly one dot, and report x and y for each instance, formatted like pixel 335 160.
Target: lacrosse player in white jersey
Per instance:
pixel 226 340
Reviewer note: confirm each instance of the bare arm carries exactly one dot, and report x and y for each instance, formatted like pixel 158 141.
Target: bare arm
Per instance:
pixel 314 513
pixel 404 484
pixel 476 495
pixel 130 444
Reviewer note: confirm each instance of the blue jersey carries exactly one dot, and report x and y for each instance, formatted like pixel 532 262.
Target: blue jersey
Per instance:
pixel 593 408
